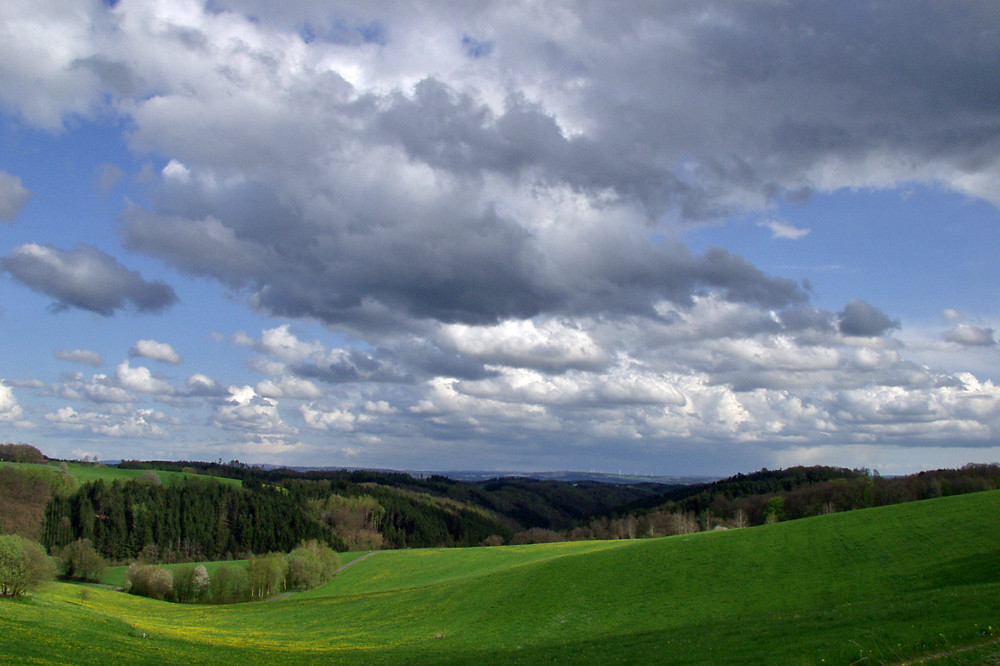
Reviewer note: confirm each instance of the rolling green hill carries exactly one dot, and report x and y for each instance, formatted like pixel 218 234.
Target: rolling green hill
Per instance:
pixel 885 585
pixel 84 472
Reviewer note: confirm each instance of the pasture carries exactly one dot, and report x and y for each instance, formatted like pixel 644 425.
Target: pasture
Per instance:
pixel 878 586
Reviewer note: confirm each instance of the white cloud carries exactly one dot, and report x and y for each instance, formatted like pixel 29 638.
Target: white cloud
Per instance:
pixel 965 334
pixel 141 380
pixel 126 423
pixel 554 345
pixel 327 419
pixel 288 386
pixel 157 351
pixel 98 388
pixel 10 410
pixel 13 196
pixel 85 356
pixel 248 412
pixel 784 230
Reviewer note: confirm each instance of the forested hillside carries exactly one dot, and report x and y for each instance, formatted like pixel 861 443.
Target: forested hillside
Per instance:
pixel 171 511
pixel 196 518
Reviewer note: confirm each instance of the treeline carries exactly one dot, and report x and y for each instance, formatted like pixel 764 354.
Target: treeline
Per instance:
pixel 20 453
pixel 309 565
pixel 771 496
pixel 190 520
pixel 370 516
pixel 517 502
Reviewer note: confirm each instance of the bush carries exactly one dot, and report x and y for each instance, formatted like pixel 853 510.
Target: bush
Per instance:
pixel 150 477
pixel 24 566
pixel 79 560
pixel 191 583
pixel 311 564
pixel 149 581
pixel 267 574
pixel 20 453
pixel 229 585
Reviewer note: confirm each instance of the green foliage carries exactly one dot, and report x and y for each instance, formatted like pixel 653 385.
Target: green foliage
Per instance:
pixel 191 584
pixel 837 589
pixel 79 560
pixel 24 566
pixel 311 564
pixel 229 584
pixel 20 453
pixel 267 574
pixel 148 580
pixel 188 520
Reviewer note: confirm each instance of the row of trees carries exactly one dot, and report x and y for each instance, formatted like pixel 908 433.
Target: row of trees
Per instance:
pixel 189 520
pixel 20 453
pixel 309 565
pixel 771 496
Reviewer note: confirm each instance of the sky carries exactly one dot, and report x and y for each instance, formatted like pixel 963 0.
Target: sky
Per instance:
pixel 684 238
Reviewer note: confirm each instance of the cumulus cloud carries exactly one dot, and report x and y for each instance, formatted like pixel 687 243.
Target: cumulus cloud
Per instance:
pixel 977 336
pixel 85 278
pixel 157 351
pixel 97 388
pixel 245 411
pixel 13 195
pixel 863 319
pixel 484 206
pixel 141 380
pixel 85 356
pixel 203 385
pixel 131 423
pixel 10 410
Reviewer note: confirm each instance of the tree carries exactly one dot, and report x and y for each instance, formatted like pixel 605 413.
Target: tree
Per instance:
pixel 229 585
pixel 24 566
pixel 311 565
pixel 191 583
pixel 79 560
pixel 775 509
pixel 149 581
pixel 267 574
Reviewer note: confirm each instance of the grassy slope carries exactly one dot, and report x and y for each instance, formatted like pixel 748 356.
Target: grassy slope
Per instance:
pixel 86 473
pixel 884 585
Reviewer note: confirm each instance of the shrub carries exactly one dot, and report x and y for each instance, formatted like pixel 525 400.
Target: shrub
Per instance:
pixel 149 581
pixel 24 566
pixel 229 585
pixel 311 565
pixel 267 574
pixel 79 560
pixel 150 477
pixel 191 584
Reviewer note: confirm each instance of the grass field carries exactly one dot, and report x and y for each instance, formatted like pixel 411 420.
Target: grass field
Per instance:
pixel 85 473
pixel 880 586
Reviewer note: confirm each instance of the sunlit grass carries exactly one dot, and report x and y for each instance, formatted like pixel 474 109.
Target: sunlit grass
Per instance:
pixel 885 585
pixel 85 473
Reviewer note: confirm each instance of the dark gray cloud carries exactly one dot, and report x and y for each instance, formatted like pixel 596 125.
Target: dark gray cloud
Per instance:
pixel 863 319
pixel 85 278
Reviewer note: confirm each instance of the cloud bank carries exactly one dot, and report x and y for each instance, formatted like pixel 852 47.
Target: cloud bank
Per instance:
pixel 486 207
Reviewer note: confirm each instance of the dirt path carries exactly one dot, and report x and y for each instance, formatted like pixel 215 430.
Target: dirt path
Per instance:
pixel 358 559
pixel 354 561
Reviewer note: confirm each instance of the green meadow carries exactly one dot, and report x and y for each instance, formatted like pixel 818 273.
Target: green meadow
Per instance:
pixel 890 585
pixel 84 473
